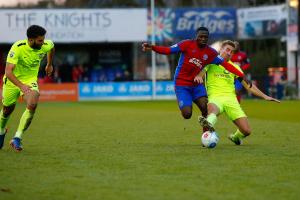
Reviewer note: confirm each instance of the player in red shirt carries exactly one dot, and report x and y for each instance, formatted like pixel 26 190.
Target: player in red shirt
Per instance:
pixel 241 59
pixel 195 54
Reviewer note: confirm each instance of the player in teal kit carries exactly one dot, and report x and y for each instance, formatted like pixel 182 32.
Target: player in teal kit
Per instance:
pixel 222 96
pixel 22 67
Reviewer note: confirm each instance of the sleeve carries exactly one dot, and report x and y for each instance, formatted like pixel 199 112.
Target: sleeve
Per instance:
pixel 217 60
pixel 48 45
pixel 13 55
pixel 232 69
pixel 176 48
pixel 220 61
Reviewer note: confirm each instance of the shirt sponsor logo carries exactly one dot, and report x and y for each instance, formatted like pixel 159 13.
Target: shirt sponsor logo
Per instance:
pixel 196 62
pixel 222 75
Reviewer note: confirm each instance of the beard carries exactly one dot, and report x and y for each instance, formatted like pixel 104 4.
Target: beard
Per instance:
pixel 36 46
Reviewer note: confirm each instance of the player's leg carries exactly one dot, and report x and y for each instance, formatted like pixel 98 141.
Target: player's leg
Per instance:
pixel 211 120
pixel 199 96
pixel 10 95
pixel 201 103
pixel 243 130
pixel 31 100
pixel 184 100
pixel 239 118
pixel 31 105
pixel 213 110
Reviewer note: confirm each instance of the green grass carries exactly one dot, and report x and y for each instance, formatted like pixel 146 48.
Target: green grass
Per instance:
pixel 145 150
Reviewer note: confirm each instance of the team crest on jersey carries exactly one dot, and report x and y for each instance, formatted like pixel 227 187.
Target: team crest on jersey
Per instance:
pixel 205 57
pixel 11 54
pixel 196 62
pixel 41 55
pixel 240 57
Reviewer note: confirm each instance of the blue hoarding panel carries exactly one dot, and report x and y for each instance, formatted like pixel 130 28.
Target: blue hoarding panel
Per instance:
pixel 182 23
pixel 125 90
pixel 220 22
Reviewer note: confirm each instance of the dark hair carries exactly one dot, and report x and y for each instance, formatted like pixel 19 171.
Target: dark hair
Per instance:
pixel 202 28
pixel 34 31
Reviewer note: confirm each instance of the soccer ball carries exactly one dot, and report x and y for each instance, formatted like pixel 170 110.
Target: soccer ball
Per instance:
pixel 209 139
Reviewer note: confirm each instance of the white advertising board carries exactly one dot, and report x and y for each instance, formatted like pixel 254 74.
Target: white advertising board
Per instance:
pixel 76 25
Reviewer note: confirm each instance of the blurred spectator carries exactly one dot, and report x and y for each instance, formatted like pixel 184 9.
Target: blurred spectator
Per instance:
pixel 77 72
pixel 280 87
pixel 65 73
pixel 85 73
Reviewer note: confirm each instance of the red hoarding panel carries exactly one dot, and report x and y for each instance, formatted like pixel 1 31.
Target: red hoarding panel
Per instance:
pixel 59 92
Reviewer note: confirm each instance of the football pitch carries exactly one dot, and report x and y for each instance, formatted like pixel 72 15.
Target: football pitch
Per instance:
pixel 145 150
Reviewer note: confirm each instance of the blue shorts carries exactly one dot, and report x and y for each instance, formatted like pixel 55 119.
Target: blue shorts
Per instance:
pixel 187 94
pixel 238 85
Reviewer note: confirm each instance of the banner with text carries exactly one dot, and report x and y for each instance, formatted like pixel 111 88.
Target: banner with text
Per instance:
pixel 125 90
pixel 58 92
pixel 76 25
pixel 268 21
pixel 182 23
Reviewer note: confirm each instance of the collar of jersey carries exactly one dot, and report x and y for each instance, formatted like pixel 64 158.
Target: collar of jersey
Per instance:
pixel 29 48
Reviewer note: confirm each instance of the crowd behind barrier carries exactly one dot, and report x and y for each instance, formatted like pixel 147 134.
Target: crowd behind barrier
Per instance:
pixel 66 73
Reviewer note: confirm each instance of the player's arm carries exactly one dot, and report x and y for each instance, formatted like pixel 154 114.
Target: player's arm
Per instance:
pixel 199 77
pixel 176 48
pixel 220 61
pixel 10 75
pixel 49 66
pixel 254 90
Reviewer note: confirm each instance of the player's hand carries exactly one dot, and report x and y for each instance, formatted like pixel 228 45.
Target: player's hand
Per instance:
pixel 146 47
pixel 268 98
pixel 198 79
pixel 49 70
pixel 25 88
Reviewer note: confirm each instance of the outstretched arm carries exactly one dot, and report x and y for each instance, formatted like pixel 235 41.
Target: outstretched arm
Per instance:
pixel 257 92
pixel 161 49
